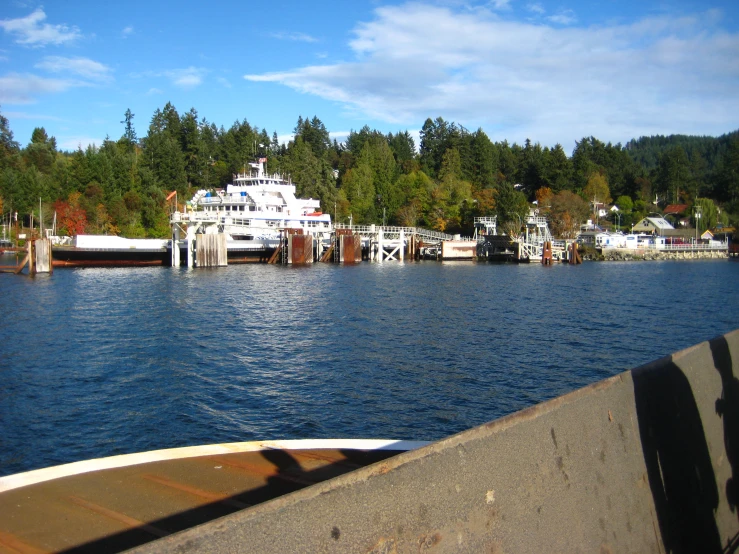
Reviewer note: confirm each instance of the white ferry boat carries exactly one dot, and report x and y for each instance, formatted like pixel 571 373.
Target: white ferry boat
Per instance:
pixel 252 210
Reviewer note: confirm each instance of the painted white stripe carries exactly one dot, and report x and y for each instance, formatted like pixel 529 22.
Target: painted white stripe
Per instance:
pixel 18 480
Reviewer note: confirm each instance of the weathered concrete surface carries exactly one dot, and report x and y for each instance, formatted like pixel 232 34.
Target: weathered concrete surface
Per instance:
pixel 641 462
pixel 459 250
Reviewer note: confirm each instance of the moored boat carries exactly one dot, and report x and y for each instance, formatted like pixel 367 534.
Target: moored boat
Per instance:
pixel 104 250
pixel 251 212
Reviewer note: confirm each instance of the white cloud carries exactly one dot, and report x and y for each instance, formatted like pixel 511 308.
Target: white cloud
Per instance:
pixel 564 17
pixel 83 67
pixel 16 88
pixel 300 37
pixel 32 116
pixel 518 79
pixel 153 91
pixel 31 31
pixel 127 31
pixel 186 78
pixel 501 4
pixel 76 142
pixel 224 82
pixel 536 8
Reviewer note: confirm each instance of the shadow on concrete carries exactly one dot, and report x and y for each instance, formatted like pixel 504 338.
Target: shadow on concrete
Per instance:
pixel 727 408
pixel 678 462
pixel 288 476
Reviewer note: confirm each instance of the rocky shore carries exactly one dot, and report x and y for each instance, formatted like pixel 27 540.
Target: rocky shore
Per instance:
pixel 626 255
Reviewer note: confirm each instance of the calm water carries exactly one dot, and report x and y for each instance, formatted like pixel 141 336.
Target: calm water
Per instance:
pixel 96 362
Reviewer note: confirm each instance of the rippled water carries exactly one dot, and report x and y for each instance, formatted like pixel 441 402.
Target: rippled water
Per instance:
pixel 96 362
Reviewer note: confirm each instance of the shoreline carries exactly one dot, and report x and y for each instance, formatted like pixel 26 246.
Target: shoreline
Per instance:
pixel 628 255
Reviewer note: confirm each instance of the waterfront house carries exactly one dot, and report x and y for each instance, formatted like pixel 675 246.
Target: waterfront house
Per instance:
pixel 674 213
pixel 653 225
pixel 610 240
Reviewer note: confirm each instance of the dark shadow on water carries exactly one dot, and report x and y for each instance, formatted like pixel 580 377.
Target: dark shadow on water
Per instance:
pixel 676 455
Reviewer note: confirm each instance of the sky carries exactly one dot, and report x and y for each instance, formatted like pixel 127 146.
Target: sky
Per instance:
pixel 550 71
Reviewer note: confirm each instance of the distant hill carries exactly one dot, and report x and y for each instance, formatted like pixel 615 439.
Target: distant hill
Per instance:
pixel 647 150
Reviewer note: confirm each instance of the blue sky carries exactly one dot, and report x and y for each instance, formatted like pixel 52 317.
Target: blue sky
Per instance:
pixel 553 72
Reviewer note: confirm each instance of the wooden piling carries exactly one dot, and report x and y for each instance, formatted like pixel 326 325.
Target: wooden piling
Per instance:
pixel 211 250
pixel 42 255
pixel 546 254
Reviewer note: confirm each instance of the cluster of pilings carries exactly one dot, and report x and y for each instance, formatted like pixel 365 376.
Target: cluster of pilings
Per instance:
pixel 37 257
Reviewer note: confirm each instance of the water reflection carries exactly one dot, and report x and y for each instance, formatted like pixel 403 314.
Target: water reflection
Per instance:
pixel 100 361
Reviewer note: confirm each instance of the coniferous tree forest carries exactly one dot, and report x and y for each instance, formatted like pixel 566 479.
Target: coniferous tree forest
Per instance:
pixel 125 186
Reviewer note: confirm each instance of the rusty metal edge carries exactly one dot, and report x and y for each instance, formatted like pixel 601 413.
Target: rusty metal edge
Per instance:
pixel 18 480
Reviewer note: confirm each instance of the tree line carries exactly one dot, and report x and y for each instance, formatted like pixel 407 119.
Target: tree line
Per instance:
pixel 452 176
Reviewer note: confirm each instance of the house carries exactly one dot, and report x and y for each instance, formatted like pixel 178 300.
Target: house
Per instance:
pixel 676 209
pixel 654 225
pixel 610 240
pixel 673 213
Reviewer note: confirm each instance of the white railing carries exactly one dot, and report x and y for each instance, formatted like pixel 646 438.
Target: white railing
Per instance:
pixel 674 247
pixel 691 247
pixel 392 230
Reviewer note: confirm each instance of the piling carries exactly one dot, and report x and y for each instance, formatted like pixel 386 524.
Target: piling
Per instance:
pixel 299 247
pixel 42 254
pixel 546 254
pixel 574 256
pixel 350 248
pixel 211 250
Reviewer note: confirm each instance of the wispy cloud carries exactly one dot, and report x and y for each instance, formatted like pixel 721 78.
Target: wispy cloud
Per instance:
pixel 153 91
pixel 224 82
pixel 83 67
pixel 33 116
pixel 127 31
pixel 23 88
pixel 32 31
pixel 536 8
pixel 500 4
pixel 548 82
pixel 564 17
pixel 189 77
pixel 77 142
pixel 300 37
pixel 186 78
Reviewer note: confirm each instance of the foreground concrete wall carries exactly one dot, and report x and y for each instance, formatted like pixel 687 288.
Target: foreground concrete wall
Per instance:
pixel 643 462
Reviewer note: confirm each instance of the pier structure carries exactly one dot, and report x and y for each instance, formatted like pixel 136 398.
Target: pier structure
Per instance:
pixel 490 245
pixel 391 243
pixel 537 244
pixel 485 226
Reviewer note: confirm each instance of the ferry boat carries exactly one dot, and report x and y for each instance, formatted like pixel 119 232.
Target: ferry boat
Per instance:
pixel 252 211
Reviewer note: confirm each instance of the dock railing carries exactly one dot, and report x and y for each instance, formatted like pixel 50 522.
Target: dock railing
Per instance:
pixel 426 234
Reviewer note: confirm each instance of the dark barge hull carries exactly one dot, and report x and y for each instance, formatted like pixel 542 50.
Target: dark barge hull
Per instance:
pixel 71 256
